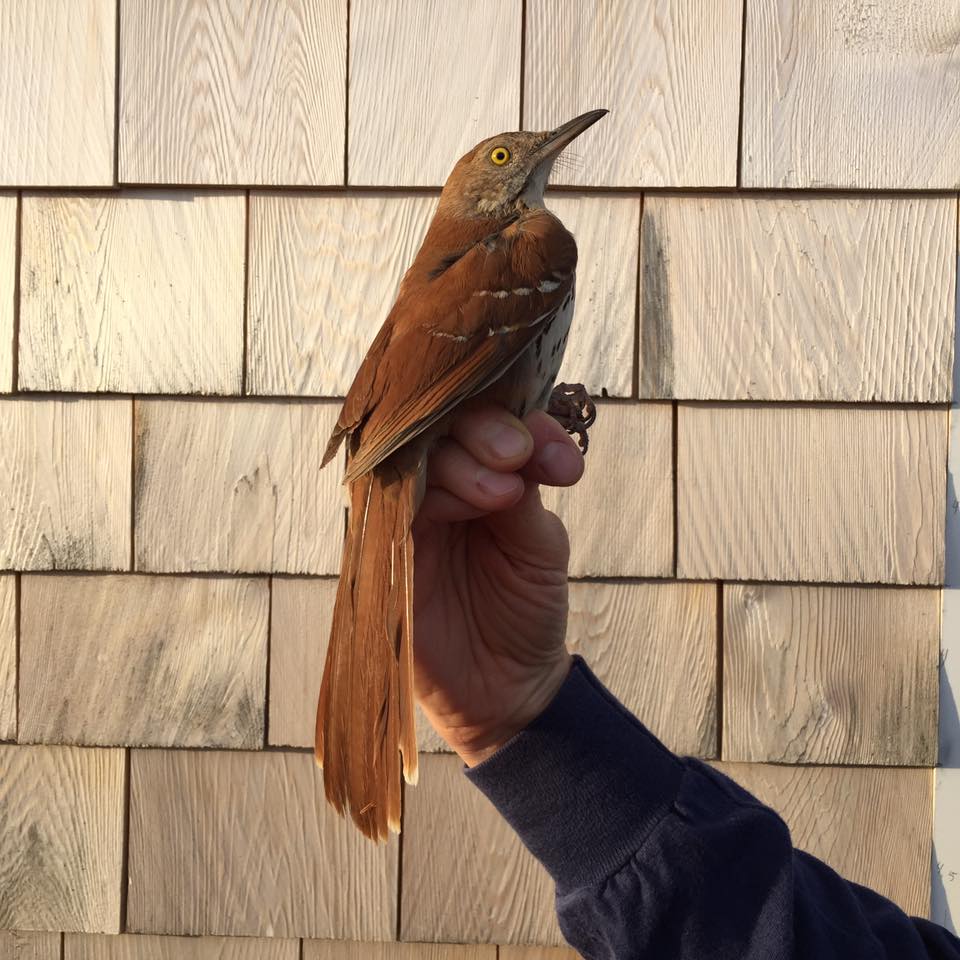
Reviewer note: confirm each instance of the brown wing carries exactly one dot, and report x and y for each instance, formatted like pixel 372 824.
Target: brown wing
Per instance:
pixel 450 335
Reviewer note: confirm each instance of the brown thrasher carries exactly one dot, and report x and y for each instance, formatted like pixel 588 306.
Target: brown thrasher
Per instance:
pixel 483 311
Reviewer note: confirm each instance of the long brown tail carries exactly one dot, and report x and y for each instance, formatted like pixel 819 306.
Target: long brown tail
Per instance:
pixel 365 717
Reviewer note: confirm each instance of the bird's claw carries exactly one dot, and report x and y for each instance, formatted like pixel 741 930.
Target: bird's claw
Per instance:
pixel 570 405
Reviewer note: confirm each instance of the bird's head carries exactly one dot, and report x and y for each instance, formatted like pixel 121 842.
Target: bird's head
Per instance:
pixel 508 172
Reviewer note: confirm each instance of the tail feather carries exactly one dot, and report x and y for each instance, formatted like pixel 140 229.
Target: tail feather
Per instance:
pixel 365 716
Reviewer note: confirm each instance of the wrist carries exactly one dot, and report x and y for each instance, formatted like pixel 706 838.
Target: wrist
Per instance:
pixel 475 744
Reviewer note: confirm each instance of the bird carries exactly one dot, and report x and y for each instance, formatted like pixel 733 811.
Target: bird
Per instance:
pixel 482 312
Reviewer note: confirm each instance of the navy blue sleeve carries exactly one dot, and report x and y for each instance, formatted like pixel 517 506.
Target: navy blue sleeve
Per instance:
pixel 656 856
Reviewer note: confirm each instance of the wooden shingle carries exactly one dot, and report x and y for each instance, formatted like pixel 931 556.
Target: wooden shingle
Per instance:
pixel 630 471
pixel 236 487
pixel 459 851
pixel 850 494
pixel 414 135
pixel 655 646
pixel 132 293
pixel 65 482
pixel 538 953
pixel 244 844
pixel 324 272
pixel 57 74
pixel 830 674
pixel 8 267
pixel 600 351
pixel 29 945
pixel 219 92
pixel 300 614
pixel 330 950
pixel 145 947
pixel 62 838
pixel 8 658
pixel 668 72
pixel 188 660
pixel 818 298
pixel 872 825
pixel 850 95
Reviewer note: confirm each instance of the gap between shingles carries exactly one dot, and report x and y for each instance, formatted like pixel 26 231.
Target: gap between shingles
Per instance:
pixel 116 101
pixel 720 642
pixel 403 818
pixel 17 262
pixel 346 107
pixel 17 601
pixel 244 352
pixel 743 75
pixel 523 56
pixel 266 688
pixel 637 318
pixel 133 483
pixel 125 844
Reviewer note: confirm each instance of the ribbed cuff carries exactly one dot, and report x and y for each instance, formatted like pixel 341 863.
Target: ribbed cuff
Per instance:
pixel 584 784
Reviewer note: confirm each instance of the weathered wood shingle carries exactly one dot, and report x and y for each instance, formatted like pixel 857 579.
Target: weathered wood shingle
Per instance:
pixel 65 483
pixel 62 838
pixel 8 658
pixel 236 487
pixel 850 494
pixel 132 293
pixel 324 272
pixel 145 947
pixel 219 92
pixel 620 516
pixel 29 945
pixel 57 65
pixel 142 660
pixel 810 298
pixel 408 132
pixel 244 844
pixel 840 94
pixel 668 72
pixel 830 674
pixel 466 875
pixel 328 950
pixel 8 266
pixel 655 646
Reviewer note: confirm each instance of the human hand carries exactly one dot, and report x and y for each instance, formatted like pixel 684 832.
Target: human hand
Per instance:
pixel 490 590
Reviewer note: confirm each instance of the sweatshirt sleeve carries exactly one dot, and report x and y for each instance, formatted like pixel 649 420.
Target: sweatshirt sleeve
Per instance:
pixel 657 856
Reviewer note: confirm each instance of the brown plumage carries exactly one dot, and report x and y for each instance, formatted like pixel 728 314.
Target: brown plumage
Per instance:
pixel 483 311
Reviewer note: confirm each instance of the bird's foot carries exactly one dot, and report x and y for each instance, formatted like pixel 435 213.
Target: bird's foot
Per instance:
pixel 570 405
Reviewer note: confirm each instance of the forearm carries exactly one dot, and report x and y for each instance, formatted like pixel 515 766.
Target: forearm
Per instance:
pixel 657 856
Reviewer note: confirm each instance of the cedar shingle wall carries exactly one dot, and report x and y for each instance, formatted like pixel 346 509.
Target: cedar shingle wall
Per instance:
pixel 758 543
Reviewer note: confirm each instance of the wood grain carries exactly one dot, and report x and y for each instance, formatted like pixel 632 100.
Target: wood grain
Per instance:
pixel 324 272
pixel 57 66
pixel 668 71
pixel 655 646
pixel 300 614
pixel 415 134
pixel 126 947
pixel 821 298
pixel 629 466
pixel 851 494
pixel 329 950
pixel 830 674
pixel 458 850
pixel 132 293
pixel 60 847
pixel 236 487
pixel 945 896
pixel 8 269
pixel 600 352
pixel 65 482
pixel 187 656
pixel 244 844
pixel 221 92
pixel 29 945
pixel 8 658
pixel 843 94
pixel 872 825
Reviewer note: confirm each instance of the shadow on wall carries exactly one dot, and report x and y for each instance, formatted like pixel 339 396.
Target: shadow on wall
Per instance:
pixel 945 894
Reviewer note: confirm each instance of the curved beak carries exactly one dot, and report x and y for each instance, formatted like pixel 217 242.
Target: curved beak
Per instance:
pixel 559 138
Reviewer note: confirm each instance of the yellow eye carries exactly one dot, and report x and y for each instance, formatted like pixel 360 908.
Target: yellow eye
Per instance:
pixel 500 155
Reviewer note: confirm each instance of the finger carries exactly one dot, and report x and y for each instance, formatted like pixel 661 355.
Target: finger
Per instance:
pixel 441 506
pixel 557 460
pixel 496 438
pixel 452 468
pixel 531 533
